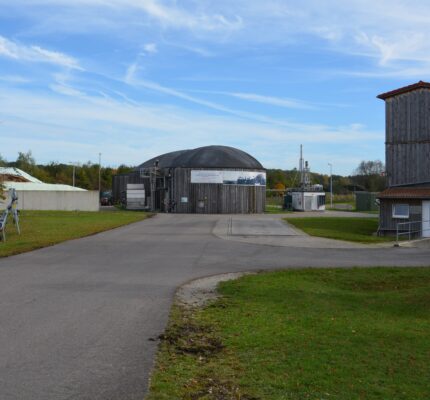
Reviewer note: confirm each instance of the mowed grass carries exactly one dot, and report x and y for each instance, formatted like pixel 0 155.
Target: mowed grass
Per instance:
pixel 274 209
pixel 45 228
pixel 352 229
pixel 305 334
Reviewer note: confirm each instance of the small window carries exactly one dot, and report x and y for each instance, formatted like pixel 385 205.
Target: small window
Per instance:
pixel 400 210
pixel 321 200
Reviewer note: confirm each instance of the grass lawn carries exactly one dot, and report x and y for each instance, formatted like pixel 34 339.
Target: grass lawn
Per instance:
pixel 351 229
pixel 274 209
pixel 341 334
pixel 45 228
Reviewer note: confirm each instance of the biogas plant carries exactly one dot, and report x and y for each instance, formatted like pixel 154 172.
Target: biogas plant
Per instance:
pixel 206 180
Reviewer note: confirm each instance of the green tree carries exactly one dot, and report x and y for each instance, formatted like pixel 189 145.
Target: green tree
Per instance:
pixel 3 162
pixel 370 175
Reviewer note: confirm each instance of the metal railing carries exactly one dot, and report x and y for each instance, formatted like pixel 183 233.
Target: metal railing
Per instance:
pixel 411 230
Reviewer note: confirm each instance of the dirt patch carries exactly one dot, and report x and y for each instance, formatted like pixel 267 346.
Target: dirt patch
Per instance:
pixel 190 337
pixel 198 292
pixel 215 389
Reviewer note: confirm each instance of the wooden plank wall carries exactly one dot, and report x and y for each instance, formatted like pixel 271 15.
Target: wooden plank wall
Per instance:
pixel 215 198
pixel 408 138
pixel 119 184
pixel 202 198
pixel 386 220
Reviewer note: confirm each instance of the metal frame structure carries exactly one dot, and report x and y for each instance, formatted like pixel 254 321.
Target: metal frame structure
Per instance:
pixel 10 209
pixel 411 229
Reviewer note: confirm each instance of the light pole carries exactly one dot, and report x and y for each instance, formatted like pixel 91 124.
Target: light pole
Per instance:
pixel 74 165
pixel 100 173
pixel 331 185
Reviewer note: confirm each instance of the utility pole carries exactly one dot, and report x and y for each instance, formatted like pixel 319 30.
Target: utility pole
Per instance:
pixel 74 165
pixel 100 173
pixel 331 185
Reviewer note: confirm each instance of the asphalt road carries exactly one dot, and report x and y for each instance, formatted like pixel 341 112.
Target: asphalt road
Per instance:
pixel 76 319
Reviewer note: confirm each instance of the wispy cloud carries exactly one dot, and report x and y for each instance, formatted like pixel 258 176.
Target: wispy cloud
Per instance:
pixel 150 48
pixel 273 101
pixel 135 132
pixel 66 90
pixel 21 52
pixel 390 31
pixel 14 79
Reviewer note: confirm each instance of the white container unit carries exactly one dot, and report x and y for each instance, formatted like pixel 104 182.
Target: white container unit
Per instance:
pixel 308 201
pixel 135 196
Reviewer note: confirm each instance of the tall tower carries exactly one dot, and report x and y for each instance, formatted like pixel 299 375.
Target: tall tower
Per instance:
pixel 407 138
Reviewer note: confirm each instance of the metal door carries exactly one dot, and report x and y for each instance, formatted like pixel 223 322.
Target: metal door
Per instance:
pixel 426 218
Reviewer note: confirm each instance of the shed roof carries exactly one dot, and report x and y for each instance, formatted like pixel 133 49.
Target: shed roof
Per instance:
pixel 15 178
pixel 405 193
pixel 205 157
pixel 405 89
pixel 17 175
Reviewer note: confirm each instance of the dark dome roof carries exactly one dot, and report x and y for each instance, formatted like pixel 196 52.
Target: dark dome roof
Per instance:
pixel 205 157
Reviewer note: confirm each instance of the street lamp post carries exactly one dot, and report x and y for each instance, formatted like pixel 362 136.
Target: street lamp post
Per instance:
pixel 331 184
pixel 74 165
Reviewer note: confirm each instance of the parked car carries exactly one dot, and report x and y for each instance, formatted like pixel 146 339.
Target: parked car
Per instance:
pixel 106 199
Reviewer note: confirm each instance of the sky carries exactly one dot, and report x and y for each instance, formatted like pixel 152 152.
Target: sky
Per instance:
pixel 132 79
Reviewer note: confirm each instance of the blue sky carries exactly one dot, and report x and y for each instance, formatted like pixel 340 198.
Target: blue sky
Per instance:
pixel 136 78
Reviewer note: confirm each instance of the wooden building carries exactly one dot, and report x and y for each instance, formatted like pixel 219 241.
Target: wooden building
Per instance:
pixel 207 180
pixel 407 152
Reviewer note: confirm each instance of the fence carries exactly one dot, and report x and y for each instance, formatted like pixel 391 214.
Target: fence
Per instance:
pixel 411 230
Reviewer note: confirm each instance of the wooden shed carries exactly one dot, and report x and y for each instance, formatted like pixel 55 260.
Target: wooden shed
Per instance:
pixel 207 180
pixel 406 201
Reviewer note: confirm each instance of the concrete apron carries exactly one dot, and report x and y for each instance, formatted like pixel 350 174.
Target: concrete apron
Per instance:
pixel 271 230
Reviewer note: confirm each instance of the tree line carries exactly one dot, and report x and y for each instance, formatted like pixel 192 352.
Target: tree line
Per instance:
pixel 369 175
pixel 86 175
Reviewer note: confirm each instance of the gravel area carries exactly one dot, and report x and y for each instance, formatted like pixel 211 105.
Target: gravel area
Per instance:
pixel 199 291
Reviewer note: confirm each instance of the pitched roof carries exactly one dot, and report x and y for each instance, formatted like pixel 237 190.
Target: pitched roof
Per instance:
pixel 17 175
pixel 405 89
pixel 18 179
pixel 405 193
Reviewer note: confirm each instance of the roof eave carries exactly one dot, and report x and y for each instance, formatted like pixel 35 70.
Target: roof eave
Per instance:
pixel 403 90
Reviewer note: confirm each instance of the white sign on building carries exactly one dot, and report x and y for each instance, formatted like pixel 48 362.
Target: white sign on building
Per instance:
pixel 229 177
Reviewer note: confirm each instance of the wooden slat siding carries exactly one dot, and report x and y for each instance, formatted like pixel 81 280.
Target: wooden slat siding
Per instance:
pixel 407 132
pixel 386 220
pixel 217 198
pixel 119 184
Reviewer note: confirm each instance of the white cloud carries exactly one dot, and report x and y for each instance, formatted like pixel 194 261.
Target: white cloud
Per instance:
pixel 390 31
pixel 66 90
pixel 14 79
pixel 130 132
pixel 150 48
pixel 274 101
pixel 21 52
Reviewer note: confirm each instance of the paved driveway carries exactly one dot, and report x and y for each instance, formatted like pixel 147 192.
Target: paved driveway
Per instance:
pixel 76 319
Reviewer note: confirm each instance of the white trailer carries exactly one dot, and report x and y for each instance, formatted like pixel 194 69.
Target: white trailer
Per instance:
pixel 308 201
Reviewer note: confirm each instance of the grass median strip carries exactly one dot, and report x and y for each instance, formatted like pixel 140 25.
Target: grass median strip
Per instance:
pixel 304 334
pixel 352 229
pixel 45 228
